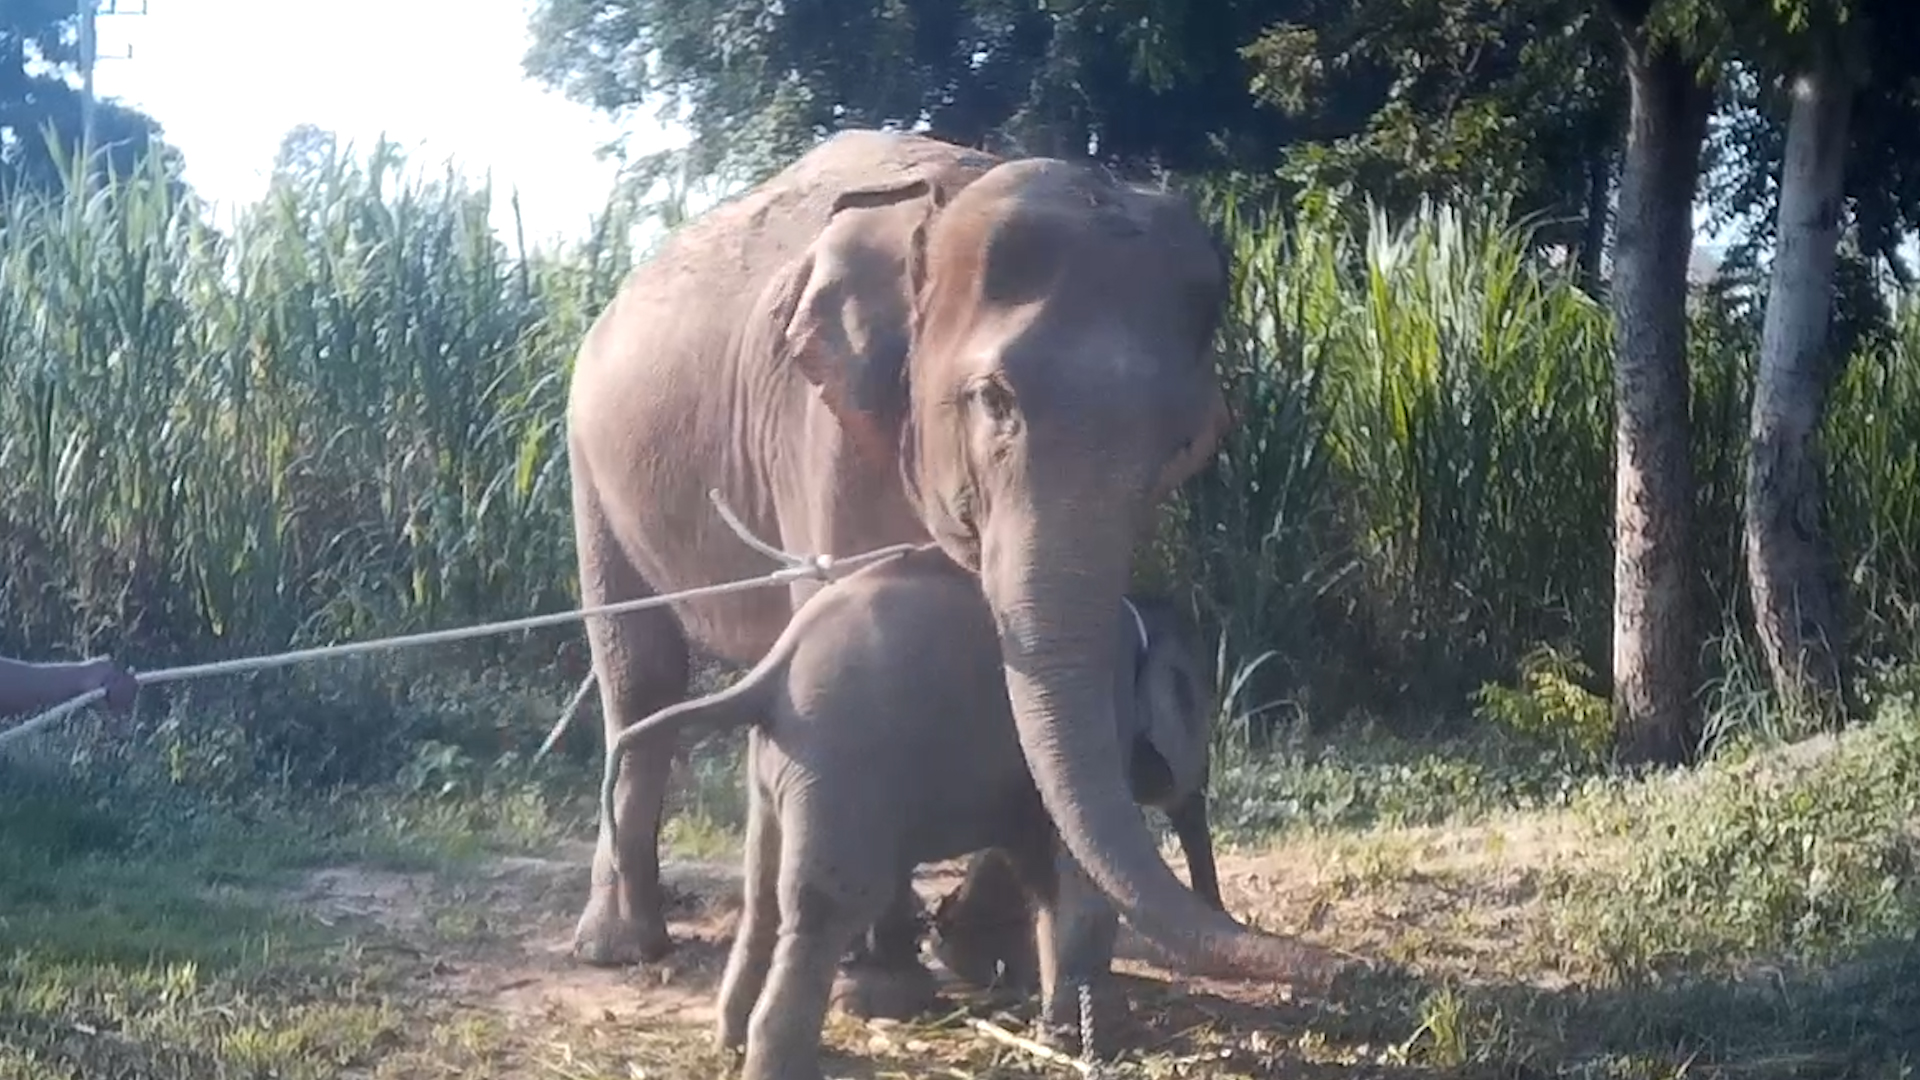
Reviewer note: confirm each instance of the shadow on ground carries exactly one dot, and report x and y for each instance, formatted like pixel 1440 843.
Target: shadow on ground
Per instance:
pixel 1861 1018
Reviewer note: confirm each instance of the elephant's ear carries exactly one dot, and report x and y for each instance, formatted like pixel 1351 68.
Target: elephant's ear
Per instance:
pixel 847 307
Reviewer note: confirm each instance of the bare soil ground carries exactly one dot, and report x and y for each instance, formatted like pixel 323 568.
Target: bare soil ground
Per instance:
pixel 498 994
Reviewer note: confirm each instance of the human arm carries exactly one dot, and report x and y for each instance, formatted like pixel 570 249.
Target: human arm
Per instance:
pixel 27 687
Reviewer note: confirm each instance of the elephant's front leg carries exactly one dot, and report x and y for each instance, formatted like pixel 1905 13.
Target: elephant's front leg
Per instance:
pixel 1190 823
pixel 1074 935
pixel 883 976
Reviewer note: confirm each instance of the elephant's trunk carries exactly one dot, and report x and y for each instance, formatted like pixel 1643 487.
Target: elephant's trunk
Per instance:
pixel 1058 607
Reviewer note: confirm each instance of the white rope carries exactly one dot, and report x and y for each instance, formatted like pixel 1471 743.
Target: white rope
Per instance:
pixel 786 559
pixel 794 568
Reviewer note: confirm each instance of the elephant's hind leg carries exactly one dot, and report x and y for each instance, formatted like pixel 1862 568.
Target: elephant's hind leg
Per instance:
pixel 641 661
pixel 753 944
pixel 816 927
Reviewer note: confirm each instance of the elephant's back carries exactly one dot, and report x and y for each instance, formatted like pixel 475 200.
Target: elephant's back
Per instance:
pixel 910 636
pixel 711 271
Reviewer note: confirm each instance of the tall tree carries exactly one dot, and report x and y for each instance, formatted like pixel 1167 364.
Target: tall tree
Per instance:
pixel 1144 82
pixel 1830 54
pixel 1796 610
pixel 1521 101
pixel 1655 640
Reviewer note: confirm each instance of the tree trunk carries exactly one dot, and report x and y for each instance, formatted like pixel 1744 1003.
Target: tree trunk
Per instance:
pixel 1655 646
pixel 1593 231
pixel 1795 605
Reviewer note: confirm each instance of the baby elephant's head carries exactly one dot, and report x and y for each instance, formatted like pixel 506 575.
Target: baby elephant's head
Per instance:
pixel 1172 718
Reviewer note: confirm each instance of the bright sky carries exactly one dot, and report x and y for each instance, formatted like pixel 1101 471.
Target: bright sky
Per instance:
pixel 227 78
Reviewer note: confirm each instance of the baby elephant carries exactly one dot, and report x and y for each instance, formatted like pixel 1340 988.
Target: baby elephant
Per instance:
pixel 883 738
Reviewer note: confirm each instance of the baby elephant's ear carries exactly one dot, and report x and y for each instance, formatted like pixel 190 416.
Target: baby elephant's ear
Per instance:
pixel 1177 716
pixel 1176 727
pixel 843 310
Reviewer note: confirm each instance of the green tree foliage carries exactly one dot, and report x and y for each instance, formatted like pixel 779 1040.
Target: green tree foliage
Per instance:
pixel 1519 101
pixel 39 48
pixel 1398 98
pixel 1156 82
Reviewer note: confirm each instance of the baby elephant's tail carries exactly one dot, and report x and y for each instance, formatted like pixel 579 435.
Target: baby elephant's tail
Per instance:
pixel 741 705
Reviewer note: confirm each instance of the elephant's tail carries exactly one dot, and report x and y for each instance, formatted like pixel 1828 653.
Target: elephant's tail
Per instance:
pixel 744 704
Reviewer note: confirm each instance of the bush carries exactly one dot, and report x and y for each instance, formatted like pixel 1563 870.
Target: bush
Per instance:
pixel 1806 856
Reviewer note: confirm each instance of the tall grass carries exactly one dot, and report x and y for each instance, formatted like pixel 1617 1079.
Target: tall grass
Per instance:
pixel 1419 491
pixel 343 417
pixel 345 414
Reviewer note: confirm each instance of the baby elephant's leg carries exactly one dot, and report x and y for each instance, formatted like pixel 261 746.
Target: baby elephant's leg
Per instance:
pixel 753 942
pixel 817 925
pixel 1074 935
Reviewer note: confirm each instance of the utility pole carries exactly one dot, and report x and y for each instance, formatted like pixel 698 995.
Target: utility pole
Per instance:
pixel 89 12
pixel 89 49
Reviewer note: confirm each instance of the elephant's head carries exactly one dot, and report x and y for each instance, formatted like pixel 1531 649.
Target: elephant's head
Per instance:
pixel 1031 343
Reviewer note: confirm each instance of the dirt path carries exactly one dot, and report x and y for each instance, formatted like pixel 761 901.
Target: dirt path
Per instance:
pixel 490 951
pixel 490 960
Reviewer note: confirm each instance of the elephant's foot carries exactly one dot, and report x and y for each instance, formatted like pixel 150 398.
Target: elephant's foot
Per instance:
pixel 607 936
pixel 893 992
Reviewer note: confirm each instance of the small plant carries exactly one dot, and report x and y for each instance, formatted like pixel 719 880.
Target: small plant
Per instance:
pixel 1552 704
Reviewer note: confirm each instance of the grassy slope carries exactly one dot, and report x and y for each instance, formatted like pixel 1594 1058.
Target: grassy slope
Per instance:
pixel 1752 918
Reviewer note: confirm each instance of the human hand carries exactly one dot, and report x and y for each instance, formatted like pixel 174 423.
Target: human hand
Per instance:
pixel 102 673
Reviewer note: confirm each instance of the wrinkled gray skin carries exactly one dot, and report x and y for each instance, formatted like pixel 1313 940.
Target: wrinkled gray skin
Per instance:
pixel 895 339
pixel 982 933
pixel 883 738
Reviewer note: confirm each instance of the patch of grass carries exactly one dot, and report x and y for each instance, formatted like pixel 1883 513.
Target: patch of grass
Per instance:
pixel 1754 916
pixel 144 930
pixel 1862 1020
pixel 1804 855
pixel 1380 779
pixel 1535 915
pixel 132 944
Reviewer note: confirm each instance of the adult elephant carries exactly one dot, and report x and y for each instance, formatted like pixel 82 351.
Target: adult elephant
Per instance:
pixel 895 339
